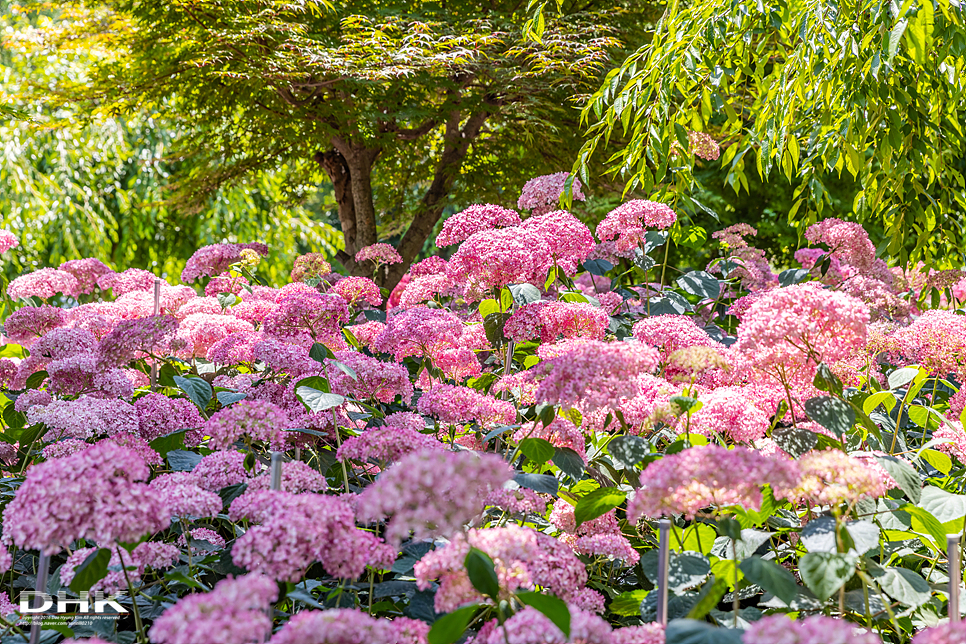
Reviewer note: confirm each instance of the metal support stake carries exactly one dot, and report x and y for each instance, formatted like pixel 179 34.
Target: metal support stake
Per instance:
pixel 157 311
pixel 43 571
pixel 276 470
pixel 663 560
pixel 955 573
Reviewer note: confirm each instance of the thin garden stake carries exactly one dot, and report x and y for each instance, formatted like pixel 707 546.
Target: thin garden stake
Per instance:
pixel 157 311
pixel 43 570
pixel 276 470
pixel 955 574
pixel 663 560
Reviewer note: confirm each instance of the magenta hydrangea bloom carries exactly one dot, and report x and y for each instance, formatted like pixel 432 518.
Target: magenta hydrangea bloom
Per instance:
pixel 349 626
pixel 184 497
pixel 44 283
pixel 419 331
pixel 432 493
pixel 159 415
pixel 133 279
pixel 700 477
pixel 530 626
pixel 216 258
pixel 936 340
pixel 847 241
pixel 312 315
pixel 85 417
pixel 94 494
pixel 726 412
pixel 291 531
pixel 355 290
pixel 374 379
pixel 831 477
pixel 628 221
pixel 64 343
pixel 236 610
pixel 258 419
pixel 202 534
pixel 297 477
pixel 237 348
pixel 199 331
pixel 595 374
pixel 569 239
pixel 457 405
pixel 86 271
pixel 668 333
pixel 495 258
pixel 386 444
pixel 548 321
pixel 561 432
pixel 221 469
pixel 7 241
pixel 522 556
pixel 541 194
pixel 378 254
pixel 25 325
pixel 650 633
pixel 133 339
pixel 477 218
pixel 225 283
pixel 816 629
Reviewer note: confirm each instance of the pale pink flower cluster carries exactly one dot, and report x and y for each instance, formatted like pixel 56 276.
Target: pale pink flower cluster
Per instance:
pixel 830 477
pixel 952 432
pixel 386 444
pixel 847 241
pixel 936 340
pixel 184 497
pixel 788 331
pixel 375 379
pixel 146 555
pixel 236 610
pixel 530 626
pixel 669 333
pixel 307 317
pixel 569 239
pixel 308 266
pixel 495 258
pixel 541 194
pixel 256 419
pixel 225 283
pixel 86 271
pixel 93 494
pixel 703 145
pixel 133 279
pixel 600 536
pixel 26 324
pixel 221 469
pixel 291 531
pixel 202 534
pixel 199 331
pixel 283 357
pixel 457 405
pixel 7 241
pixel 548 321
pixel 522 557
pixel 817 629
pixel 216 258
pixel 595 374
pixel 44 283
pixel 32 397
pixel 159 415
pixel 518 501
pixel 85 417
pixel 726 412
pixel 477 218
pixel 432 493
pixel 63 343
pixel 378 254
pixel 628 221
pixel 355 290
pixel 419 332
pixel 650 633
pixel 349 626
pixel 948 633
pixel 297 477
pixel 753 268
pixel 701 477
pixel 133 339
pixel 367 332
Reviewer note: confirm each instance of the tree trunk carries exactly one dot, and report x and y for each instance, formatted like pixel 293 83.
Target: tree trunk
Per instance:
pixel 336 167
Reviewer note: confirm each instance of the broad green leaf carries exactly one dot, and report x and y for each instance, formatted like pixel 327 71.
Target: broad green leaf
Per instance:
pixel 524 293
pixel 905 475
pixel 825 572
pixel 482 573
pixel 537 450
pixel 700 283
pixel 628 450
pixel 686 570
pixel 164 444
pixel 690 631
pixel 937 459
pixel 197 390
pixel 884 398
pixel 449 628
pixel 944 506
pixel 597 503
pixel 902 377
pixel 226 398
pixel 833 414
pixel 91 571
pixel 597 266
pixel 628 604
pixel 318 401
pixel 772 577
pixel 554 609
pixel 543 483
pixel 904 585
pixel 319 352
pixel 569 462
pixel 180 577
pixel 711 593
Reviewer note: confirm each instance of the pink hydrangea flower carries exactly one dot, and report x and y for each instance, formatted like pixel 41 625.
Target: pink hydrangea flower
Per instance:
pixel 628 221
pixel 477 218
pixel 216 258
pixel 522 557
pixel 518 501
pixel 159 415
pixel 419 332
pixel 561 432
pixel 7 241
pixel 199 331
pixel 595 374
pixel 548 321
pixel 355 290
pixel 85 417
pixel 816 629
pixel 541 194
pixel 948 633
pixel 307 315
pixel 236 610
pixel 225 283
pixel 181 494
pixel 726 412
pixel 297 477
pixel 830 477
pixel 530 626
pixel 569 239
pixel 221 469
pixel 374 379
pixel 86 271
pixel 936 340
pixel 668 333
pixel 32 397
pixel 26 324
pixel 456 405
pixel 432 493
pixel 44 283
pixel 848 242
pixel 650 633
pixel 292 531
pixel 133 279
pixel 349 626
pixel 378 254
pixel 133 339
pixel 237 348
pixel 257 419
pixel 424 288
pixel 495 258
pixel 703 145
pixel 202 534
pixel 386 444
pixel 700 477
pixel 93 494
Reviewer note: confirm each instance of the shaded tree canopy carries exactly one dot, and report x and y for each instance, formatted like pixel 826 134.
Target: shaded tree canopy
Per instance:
pixel 395 100
pixel 806 90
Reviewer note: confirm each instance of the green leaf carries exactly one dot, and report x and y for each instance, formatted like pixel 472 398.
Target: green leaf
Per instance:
pixel 937 459
pixel 449 628
pixel 319 352
pixel 91 571
pixel 597 266
pixel 493 327
pixel 628 450
pixel 904 585
pixel 944 506
pixel 537 450
pixel 164 444
pixel 700 283
pixel 181 578
pixel 795 440
pixel 569 462
pixel 315 382
pixel 711 593
pixel 197 390
pixel 772 577
pixel 902 377
pixel 597 503
pixel 554 609
pixel 833 414
pixel 524 293
pixel 226 398
pixel 690 631
pixel 825 380
pixel 31 434
pixel 919 33
pixel 482 573
pixel 895 37
pixel 183 461
pixel 344 368
pixel 905 475
pixel 12 418
pixel 628 604
pixel 685 569
pixel 543 483
pixel 318 401
pixel 923 521
pixel 34 380
pixel 825 572
pixel 792 276
pixel 305 597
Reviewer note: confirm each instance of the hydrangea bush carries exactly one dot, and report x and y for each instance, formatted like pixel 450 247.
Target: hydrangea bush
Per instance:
pixel 483 454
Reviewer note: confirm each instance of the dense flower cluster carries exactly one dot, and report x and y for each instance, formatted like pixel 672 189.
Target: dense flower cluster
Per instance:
pixel 628 221
pixel 541 194
pixel 818 629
